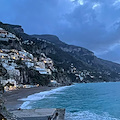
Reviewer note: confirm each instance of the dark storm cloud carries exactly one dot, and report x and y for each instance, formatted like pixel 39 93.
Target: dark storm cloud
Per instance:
pixel 93 24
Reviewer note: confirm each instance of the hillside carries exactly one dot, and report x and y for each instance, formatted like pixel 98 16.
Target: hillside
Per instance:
pixel 99 66
pixel 80 64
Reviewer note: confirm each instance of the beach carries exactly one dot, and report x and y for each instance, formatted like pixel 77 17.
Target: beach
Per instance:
pixel 12 98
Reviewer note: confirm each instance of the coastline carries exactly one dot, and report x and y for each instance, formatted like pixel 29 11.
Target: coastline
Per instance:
pixel 12 101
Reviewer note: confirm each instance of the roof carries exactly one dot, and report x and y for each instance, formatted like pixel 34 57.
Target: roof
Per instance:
pixel 3 31
pixel 4 54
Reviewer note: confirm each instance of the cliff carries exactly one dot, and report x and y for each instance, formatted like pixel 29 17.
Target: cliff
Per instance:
pixel 69 63
pixel 83 59
pixel 72 63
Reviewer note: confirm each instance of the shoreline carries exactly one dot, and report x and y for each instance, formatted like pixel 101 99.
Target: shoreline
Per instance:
pixel 12 98
pixel 12 101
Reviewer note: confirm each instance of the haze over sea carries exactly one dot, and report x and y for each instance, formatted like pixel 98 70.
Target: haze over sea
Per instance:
pixel 92 101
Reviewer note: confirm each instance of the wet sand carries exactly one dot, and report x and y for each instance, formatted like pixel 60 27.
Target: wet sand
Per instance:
pixel 12 101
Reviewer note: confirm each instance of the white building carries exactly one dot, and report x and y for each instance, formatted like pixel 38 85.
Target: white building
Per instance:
pixel 14 55
pixel 41 71
pixel 29 64
pixel 4 50
pixel 3 33
pixel 4 55
pixel 48 61
pixel 49 71
pixel 30 56
pixel 10 35
pixel 4 39
pixel 11 87
pixel 11 69
pixel 81 78
pixel 11 81
pixel 41 64
pixel 54 83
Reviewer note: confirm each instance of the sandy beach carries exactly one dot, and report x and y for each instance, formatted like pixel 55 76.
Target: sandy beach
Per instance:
pixel 12 101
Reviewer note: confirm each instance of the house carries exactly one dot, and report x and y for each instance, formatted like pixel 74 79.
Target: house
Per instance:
pixel 5 60
pixel 10 35
pixel 25 56
pixel 1 51
pixel 14 56
pixel 5 50
pixel 54 83
pixel 81 77
pixel 11 69
pixel 12 81
pixel 15 51
pixel 48 61
pixel 4 39
pixel 4 55
pixel 49 71
pixel 22 53
pixel 40 64
pixel 35 59
pixel 30 56
pixel 92 76
pixel 29 64
pixel 43 55
pixel 41 71
pixel 3 33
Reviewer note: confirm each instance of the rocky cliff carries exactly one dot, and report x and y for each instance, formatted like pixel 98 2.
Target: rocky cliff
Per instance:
pixel 71 63
pixel 77 63
pixel 84 59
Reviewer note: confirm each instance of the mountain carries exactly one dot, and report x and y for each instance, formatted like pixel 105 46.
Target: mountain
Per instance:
pixel 106 68
pixel 25 44
pixel 74 62
pixel 70 63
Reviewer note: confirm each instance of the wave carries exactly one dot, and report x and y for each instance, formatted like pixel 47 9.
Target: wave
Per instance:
pixel 25 105
pixel 41 95
pixel 86 115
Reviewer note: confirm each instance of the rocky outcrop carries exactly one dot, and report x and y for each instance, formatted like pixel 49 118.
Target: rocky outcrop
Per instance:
pixel 18 28
pixel 4 114
pixel 31 76
pixel 3 71
pixel 11 44
pixel 12 28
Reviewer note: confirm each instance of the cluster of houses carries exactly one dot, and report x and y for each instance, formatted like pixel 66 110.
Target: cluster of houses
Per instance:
pixel 81 75
pixel 6 36
pixel 11 84
pixel 91 75
pixel 43 64
pixel 8 59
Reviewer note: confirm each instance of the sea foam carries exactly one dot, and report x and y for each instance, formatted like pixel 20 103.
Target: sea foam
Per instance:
pixel 86 115
pixel 40 96
pixel 25 105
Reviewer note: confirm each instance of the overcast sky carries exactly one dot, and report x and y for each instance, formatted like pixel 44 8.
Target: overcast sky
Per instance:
pixel 93 24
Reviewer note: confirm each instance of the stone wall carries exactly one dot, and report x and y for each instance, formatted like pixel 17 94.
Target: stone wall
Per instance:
pixel 40 114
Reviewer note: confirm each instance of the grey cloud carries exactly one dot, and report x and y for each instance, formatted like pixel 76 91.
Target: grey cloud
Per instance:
pixel 73 23
pixel 112 55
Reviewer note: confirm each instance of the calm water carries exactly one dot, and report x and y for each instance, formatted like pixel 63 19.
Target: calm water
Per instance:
pixel 94 101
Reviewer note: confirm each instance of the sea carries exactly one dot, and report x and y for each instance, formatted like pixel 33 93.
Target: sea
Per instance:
pixel 85 101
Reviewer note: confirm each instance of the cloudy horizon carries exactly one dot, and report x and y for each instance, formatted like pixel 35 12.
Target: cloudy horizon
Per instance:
pixel 94 25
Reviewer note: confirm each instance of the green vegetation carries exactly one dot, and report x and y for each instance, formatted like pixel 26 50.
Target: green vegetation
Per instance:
pixel 37 78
